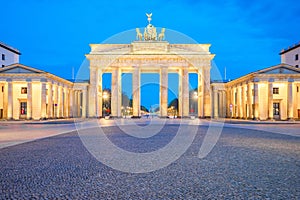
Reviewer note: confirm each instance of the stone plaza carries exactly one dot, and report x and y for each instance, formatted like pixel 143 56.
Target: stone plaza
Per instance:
pixel 251 160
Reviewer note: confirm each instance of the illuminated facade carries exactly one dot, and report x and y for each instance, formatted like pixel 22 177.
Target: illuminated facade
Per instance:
pixel 271 93
pixel 28 93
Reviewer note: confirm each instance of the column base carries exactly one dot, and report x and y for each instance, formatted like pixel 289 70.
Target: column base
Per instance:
pixel 136 117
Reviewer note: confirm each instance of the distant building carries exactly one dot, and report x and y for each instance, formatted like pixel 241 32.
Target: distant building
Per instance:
pixel 9 55
pixel 291 55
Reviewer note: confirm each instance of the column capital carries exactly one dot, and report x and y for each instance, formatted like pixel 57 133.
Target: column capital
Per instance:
pixel 256 80
pixel 43 80
pixel 28 79
pixel 290 80
pixel 271 80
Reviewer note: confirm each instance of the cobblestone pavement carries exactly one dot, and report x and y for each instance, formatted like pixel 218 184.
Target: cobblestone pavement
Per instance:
pixel 244 164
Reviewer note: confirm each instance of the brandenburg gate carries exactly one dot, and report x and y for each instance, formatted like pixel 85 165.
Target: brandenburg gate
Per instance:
pixel 150 53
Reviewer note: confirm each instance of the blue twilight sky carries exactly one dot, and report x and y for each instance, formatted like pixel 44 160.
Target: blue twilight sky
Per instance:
pixel 245 35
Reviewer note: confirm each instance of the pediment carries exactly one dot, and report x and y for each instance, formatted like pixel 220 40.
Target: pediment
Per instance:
pixel 280 70
pixel 19 69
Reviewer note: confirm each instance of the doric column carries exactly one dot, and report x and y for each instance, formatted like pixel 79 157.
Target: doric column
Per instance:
pixel 84 96
pixel 256 99
pixel 183 99
pixel 224 103
pixel 242 106
pixel 116 93
pixel 50 100
pixel 163 92
pixel 290 99
pixel 29 99
pixel 206 90
pixel 93 93
pixel 56 101
pixel 136 92
pixel 249 100
pixel 270 98
pixel 9 99
pixel 215 102
pixel 60 101
pixel 65 99
pixel 200 94
pixel 43 98
pixel 75 105
pixel 99 100
pixel 71 102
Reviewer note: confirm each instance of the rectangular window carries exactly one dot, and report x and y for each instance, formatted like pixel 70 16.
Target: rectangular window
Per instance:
pixel 297 89
pixel 276 109
pixel 24 90
pixel 297 66
pixel 275 90
pixel 23 108
pixel 3 56
pixel 2 88
pixel 296 57
pixel 3 66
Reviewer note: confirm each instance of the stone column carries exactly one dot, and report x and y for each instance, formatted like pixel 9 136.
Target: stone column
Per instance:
pixel 75 105
pixel 116 93
pixel 9 99
pixel 29 99
pixel 249 100
pixel 79 106
pixel 136 92
pixel 224 103
pixel 99 99
pixel 270 99
pixel 242 110
pixel 50 101
pixel 66 110
pixel 200 94
pixel 216 102
pixel 84 96
pixel 93 92
pixel 43 99
pixel 185 92
pixel 71 102
pixel 60 100
pixel 206 90
pixel 290 99
pixel 229 102
pixel 56 101
pixel 163 92
pixel 256 99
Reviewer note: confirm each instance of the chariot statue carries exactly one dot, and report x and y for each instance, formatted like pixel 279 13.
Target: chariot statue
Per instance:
pixel 150 32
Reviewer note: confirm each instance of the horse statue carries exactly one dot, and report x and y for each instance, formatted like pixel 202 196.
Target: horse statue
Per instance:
pixel 139 35
pixel 161 36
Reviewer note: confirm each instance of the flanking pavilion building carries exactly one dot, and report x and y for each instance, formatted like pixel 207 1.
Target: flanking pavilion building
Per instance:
pixel 267 94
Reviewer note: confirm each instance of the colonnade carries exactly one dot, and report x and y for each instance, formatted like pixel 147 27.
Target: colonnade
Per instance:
pixel 255 99
pixel 44 99
pixel 96 96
